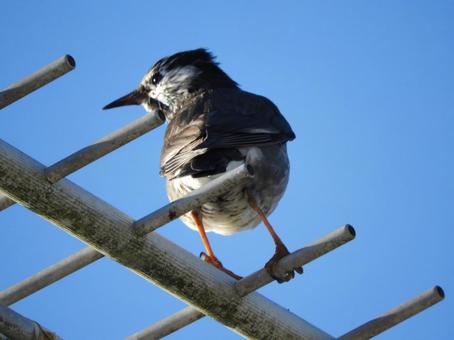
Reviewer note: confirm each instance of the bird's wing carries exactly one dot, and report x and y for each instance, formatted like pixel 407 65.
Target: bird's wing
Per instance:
pixel 243 120
pixel 220 120
pixel 180 143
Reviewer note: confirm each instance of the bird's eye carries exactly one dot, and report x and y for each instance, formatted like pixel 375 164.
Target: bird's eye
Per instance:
pixel 156 78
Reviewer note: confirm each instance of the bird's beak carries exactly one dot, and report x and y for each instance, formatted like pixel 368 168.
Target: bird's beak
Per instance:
pixel 135 97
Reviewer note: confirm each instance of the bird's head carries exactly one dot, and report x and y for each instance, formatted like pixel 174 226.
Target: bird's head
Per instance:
pixel 174 79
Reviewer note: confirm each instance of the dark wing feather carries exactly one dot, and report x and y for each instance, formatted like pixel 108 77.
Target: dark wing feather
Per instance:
pixel 205 135
pixel 244 119
pixel 180 143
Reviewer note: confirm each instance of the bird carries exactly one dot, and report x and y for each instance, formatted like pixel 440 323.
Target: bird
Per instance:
pixel 214 126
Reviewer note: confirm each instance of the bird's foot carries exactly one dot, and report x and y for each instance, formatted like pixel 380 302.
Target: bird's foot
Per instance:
pixel 270 266
pixel 216 263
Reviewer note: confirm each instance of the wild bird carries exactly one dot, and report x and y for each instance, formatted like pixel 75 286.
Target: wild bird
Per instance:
pixel 214 126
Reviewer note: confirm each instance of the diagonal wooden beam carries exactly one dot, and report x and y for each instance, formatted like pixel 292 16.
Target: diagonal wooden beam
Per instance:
pixel 49 275
pixel 141 227
pixel 95 151
pixel 157 259
pixel 15 326
pixel 36 80
pixel 396 315
pixel 252 282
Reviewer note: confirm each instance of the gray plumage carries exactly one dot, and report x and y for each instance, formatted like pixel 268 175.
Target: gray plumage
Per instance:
pixel 215 131
pixel 210 128
pixel 213 126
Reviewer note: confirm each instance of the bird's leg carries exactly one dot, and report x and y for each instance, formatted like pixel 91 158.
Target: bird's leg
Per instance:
pixel 281 249
pixel 210 258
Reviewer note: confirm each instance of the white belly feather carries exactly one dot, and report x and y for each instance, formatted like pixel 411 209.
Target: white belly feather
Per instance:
pixel 231 212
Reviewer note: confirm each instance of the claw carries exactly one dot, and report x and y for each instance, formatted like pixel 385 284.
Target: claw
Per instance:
pixel 216 263
pixel 281 251
pixel 211 260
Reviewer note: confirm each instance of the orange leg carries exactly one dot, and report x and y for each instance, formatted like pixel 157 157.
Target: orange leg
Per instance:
pixel 281 249
pixel 210 258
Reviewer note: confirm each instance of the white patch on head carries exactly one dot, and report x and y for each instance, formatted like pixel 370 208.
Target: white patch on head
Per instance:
pixel 173 86
pixel 180 75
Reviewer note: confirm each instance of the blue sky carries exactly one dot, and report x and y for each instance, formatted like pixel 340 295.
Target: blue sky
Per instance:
pixel 368 89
